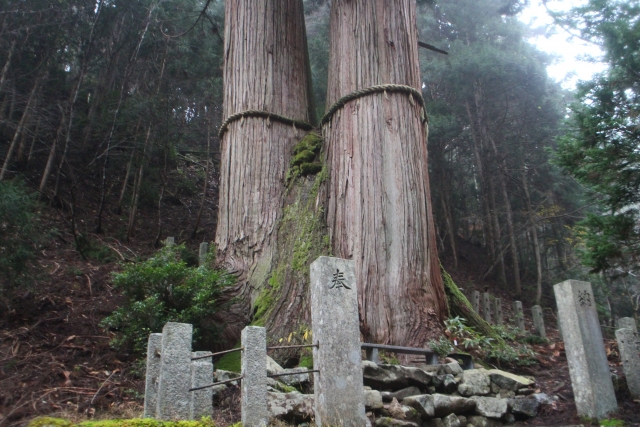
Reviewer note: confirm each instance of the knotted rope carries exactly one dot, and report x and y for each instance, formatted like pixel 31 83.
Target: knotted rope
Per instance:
pixel 265 114
pixel 414 94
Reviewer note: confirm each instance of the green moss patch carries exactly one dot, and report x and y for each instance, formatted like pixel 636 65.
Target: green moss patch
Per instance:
pixel 135 422
pixel 306 362
pixel 231 362
pixel 305 154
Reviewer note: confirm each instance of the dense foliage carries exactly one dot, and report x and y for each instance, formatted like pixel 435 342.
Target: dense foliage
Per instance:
pixel 602 146
pixel 163 289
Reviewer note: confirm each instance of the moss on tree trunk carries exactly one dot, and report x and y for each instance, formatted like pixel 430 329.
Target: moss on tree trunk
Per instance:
pixel 460 306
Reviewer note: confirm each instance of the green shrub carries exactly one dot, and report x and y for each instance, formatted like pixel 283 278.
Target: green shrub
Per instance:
pixel 18 225
pixel 165 289
pixel 442 347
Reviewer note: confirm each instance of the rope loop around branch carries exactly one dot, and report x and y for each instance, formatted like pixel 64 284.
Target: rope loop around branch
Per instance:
pixel 414 94
pixel 264 114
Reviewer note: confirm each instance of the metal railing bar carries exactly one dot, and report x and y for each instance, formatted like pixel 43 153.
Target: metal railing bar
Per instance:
pixel 220 353
pixel 317 345
pixel 293 373
pixel 215 384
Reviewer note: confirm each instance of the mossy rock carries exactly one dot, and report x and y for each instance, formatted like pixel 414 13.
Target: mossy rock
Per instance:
pixel 134 422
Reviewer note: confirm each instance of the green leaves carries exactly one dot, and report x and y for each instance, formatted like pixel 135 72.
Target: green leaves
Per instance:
pixel 165 289
pixel 601 149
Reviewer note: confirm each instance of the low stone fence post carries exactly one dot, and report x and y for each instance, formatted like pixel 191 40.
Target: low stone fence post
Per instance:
pixel 154 349
pixel 628 346
pixel 202 254
pixel 497 311
pixel 519 315
pixel 588 367
pixel 174 397
pixel 628 323
pixel 486 307
pixel 475 301
pixel 338 386
pixel 538 321
pixel 201 375
pixel 254 377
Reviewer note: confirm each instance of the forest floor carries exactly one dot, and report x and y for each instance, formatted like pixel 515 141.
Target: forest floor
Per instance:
pixel 55 359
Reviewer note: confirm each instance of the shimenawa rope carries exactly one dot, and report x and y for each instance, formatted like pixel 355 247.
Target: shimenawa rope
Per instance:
pixel 414 94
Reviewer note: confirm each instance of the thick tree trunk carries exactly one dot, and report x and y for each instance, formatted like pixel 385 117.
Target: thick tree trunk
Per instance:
pixel 266 68
pixel 379 210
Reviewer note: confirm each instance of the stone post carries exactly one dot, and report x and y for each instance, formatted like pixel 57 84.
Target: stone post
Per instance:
pixel 497 311
pixel 254 377
pixel 538 321
pixel 628 346
pixel 338 387
pixel 519 315
pixel 154 348
pixel 475 301
pixel 175 372
pixel 486 307
pixel 372 355
pixel 201 374
pixel 202 254
pixel 628 323
pixel 171 241
pixel 588 367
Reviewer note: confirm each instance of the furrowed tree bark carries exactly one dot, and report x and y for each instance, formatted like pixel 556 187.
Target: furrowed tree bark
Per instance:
pixel 379 209
pixel 266 68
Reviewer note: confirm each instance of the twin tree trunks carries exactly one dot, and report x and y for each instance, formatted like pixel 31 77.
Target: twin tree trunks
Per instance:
pixel 375 200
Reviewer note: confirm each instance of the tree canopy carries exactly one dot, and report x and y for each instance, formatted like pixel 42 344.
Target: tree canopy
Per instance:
pixel 601 148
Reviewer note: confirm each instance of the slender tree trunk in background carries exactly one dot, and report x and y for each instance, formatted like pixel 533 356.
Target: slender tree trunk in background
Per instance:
pixel 74 97
pixel 7 63
pixel 23 142
pixel 125 181
pixel 194 233
pixel 497 230
pixel 19 129
pixel 483 137
pixel 487 226
pixel 534 234
pixel 52 155
pixel 513 248
pixel 266 68
pixel 379 209
pixel 132 61
pixel 138 181
pixel 34 139
pixel 136 187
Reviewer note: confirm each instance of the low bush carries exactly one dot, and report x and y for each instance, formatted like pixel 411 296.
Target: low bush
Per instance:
pixel 163 289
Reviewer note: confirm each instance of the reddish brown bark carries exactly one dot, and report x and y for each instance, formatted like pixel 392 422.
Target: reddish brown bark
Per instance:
pixel 266 68
pixel 379 208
